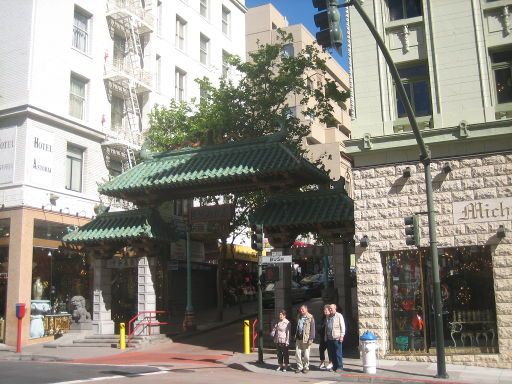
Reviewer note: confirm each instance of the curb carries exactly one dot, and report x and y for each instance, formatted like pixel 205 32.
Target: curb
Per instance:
pixel 359 377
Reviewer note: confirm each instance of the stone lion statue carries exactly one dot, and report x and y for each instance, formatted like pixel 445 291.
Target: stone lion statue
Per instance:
pixel 79 314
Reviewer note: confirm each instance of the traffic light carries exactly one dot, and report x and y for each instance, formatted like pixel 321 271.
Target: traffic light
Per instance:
pixel 412 230
pixel 270 275
pixel 257 237
pixel 328 21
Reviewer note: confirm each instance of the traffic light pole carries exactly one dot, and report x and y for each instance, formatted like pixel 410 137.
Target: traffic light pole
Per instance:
pixel 260 311
pixel 425 160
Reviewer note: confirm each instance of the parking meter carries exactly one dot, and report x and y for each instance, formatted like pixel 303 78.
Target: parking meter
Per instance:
pixel 20 310
pixel 20 313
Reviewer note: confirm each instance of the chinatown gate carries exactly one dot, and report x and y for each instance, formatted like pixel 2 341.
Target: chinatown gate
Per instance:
pixel 161 183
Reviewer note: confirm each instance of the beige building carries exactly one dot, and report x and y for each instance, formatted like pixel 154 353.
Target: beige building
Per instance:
pixel 261 25
pixel 455 60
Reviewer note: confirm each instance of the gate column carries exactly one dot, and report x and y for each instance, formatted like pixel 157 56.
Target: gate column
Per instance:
pixel 102 323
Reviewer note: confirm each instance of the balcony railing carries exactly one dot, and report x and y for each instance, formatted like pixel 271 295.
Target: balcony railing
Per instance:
pixel 133 7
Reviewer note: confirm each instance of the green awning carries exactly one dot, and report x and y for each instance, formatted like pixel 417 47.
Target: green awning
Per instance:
pixel 126 226
pixel 228 168
pixel 307 210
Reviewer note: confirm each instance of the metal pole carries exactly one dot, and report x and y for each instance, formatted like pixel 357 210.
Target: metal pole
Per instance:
pixel 425 160
pixel 188 322
pixel 189 275
pixel 260 311
pixel 326 271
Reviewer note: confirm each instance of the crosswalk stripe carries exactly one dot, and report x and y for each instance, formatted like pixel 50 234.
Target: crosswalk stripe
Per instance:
pixel 94 379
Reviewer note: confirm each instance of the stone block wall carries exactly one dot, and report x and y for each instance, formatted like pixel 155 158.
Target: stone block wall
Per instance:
pixel 383 197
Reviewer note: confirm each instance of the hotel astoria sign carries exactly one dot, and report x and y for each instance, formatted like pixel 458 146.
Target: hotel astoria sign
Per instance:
pixel 478 211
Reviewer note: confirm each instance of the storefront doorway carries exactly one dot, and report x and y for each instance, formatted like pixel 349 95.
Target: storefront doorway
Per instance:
pixel 469 310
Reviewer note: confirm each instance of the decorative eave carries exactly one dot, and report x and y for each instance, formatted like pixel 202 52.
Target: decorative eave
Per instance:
pixel 266 163
pixel 313 211
pixel 125 227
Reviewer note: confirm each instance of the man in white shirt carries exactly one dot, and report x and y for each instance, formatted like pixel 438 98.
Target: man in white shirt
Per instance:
pixel 334 333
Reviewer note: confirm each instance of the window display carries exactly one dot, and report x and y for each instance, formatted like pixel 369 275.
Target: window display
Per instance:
pixel 467 290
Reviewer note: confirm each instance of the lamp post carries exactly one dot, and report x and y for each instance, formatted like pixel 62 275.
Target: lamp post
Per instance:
pixel 425 158
pixel 189 320
pixel 50 255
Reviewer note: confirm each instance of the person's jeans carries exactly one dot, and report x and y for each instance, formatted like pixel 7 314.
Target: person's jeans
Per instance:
pixel 282 354
pixel 335 351
pixel 302 354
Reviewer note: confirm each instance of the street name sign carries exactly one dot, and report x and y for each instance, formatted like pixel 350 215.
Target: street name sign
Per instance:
pixel 276 259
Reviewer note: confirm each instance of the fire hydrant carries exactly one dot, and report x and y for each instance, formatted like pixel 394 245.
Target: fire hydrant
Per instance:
pixel 368 348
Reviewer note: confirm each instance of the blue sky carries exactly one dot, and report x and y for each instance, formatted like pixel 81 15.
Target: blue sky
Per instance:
pixel 302 12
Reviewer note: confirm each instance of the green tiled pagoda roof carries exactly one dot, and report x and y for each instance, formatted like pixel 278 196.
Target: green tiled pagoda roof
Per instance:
pixel 122 226
pixel 234 167
pixel 303 210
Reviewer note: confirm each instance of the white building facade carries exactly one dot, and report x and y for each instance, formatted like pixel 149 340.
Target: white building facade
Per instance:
pixel 455 62
pixel 78 80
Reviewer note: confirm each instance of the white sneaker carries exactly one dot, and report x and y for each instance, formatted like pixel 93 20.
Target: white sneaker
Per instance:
pixel 329 366
pixel 283 369
pixel 278 369
pixel 322 365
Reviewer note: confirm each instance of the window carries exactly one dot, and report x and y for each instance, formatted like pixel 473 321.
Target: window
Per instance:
pixel 204 46
pixel 81 31
pixel 404 9
pixel 288 50
pixel 159 18
pixel 225 63
pixel 502 68
pixel 203 92
pixel 74 161
pixel 116 113
pixel 416 83
pixel 158 72
pixel 311 84
pixel 203 8
pixel 180 33
pixel 226 21
pixel 119 53
pixel 179 85
pixel 77 97
pixel 468 300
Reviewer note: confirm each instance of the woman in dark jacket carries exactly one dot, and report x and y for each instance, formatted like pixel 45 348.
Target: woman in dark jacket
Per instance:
pixel 322 345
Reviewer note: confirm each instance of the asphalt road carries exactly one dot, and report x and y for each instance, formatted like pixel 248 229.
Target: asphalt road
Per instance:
pixel 28 372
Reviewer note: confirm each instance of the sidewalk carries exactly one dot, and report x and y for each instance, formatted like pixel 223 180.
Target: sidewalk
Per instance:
pixel 54 351
pixel 388 371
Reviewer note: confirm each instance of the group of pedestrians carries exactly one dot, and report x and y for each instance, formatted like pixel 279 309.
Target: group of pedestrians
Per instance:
pixel 331 331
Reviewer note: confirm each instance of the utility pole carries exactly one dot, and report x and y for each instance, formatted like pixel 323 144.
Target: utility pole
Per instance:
pixel 425 159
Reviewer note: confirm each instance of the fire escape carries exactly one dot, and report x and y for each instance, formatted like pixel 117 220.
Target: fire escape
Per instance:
pixel 126 80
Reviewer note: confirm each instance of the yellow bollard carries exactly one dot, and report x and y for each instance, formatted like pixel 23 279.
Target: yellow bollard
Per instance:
pixel 247 337
pixel 122 336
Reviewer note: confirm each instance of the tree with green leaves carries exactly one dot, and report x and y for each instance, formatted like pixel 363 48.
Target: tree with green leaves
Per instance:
pixel 257 104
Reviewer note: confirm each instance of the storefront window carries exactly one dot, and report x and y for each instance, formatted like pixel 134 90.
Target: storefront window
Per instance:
pixel 57 276
pixel 467 290
pixel 405 284
pixel 49 230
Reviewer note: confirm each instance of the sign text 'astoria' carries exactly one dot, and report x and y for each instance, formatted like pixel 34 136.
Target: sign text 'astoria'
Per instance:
pixel 476 211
